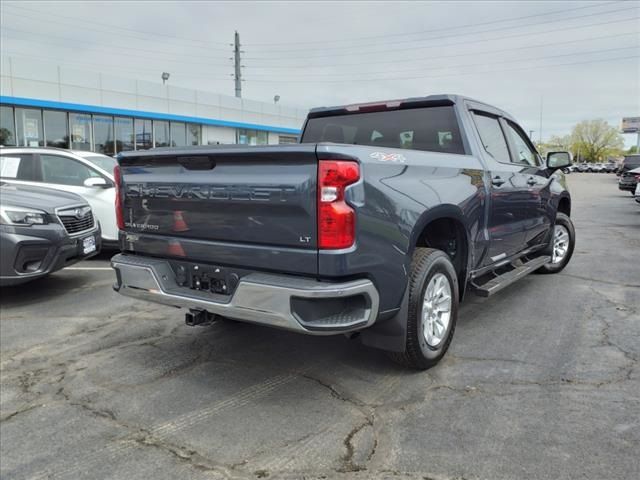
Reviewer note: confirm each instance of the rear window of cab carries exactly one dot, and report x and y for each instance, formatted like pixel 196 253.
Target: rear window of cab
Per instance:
pixel 431 129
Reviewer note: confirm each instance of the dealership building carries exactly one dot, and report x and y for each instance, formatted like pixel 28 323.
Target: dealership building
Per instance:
pixel 48 105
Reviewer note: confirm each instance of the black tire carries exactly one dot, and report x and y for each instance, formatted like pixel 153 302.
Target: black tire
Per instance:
pixel 565 221
pixel 426 263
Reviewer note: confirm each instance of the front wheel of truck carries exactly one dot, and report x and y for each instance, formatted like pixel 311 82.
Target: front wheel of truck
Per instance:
pixel 432 310
pixel 564 240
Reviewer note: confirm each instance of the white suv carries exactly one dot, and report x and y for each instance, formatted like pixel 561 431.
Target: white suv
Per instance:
pixel 87 174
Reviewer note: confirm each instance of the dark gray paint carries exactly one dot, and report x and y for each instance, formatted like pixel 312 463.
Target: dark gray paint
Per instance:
pixel 394 202
pixel 39 198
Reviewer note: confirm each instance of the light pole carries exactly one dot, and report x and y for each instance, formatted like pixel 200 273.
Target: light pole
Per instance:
pixel 276 99
pixel 165 76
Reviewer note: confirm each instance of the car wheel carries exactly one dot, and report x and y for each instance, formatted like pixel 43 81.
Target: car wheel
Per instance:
pixel 432 309
pixel 564 240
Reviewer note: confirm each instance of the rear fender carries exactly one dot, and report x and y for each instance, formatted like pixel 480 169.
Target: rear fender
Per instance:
pixel 444 211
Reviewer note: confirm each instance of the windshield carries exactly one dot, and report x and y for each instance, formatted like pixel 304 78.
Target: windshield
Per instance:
pixel 102 161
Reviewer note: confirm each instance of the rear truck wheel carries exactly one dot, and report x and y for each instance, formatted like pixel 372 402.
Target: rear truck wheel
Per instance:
pixel 432 310
pixel 564 240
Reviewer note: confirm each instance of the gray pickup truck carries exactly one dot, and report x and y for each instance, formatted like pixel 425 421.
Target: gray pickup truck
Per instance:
pixel 374 226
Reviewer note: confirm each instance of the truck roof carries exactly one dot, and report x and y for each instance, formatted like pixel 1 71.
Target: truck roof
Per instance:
pixel 411 102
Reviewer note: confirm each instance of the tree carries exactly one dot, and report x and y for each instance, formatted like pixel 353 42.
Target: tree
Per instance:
pixel 556 143
pixel 5 136
pixel 594 140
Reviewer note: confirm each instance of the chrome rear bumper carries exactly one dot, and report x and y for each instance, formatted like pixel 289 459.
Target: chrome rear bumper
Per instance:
pixel 282 301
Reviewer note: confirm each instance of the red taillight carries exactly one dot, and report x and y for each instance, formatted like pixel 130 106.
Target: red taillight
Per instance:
pixel 118 205
pixel 336 219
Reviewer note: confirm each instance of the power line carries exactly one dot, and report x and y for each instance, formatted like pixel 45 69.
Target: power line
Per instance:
pixel 414 60
pixel 324 42
pixel 474 41
pixel 122 67
pixel 511 27
pixel 116 27
pixel 466 74
pixel 528 59
pixel 119 67
pixel 122 48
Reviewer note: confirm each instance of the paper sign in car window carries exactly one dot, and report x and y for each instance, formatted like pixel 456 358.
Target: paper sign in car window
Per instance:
pixel 9 167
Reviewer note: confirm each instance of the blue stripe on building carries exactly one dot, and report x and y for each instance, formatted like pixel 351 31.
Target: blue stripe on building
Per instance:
pixel 77 107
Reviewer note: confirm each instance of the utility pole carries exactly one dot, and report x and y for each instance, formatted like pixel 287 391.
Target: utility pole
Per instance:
pixel 236 60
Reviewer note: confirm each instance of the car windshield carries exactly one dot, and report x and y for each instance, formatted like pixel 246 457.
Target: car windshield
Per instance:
pixel 102 161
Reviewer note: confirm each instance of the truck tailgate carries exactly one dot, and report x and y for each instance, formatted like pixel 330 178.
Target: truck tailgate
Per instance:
pixel 234 205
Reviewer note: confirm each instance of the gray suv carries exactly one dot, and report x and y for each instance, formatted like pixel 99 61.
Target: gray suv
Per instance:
pixel 43 230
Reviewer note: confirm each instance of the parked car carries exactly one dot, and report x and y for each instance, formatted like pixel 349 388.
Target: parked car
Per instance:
pixel 376 225
pixel 87 174
pixel 637 192
pixel 629 163
pixel 43 230
pixel 583 167
pixel 610 167
pixel 629 180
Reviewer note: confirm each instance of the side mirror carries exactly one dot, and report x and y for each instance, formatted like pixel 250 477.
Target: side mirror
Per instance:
pixel 556 160
pixel 96 182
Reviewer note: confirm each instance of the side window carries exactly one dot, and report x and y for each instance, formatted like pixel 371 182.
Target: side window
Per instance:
pixel 18 166
pixel 524 153
pixel 492 137
pixel 64 171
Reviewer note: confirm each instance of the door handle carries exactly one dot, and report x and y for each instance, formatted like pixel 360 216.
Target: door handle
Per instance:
pixel 497 181
pixel 531 182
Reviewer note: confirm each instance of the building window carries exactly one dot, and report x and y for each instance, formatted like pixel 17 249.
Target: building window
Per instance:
pixel 29 126
pixel 144 134
pixel 124 134
pixel 56 128
pixel 178 134
pixel 194 134
pixel 161 133
pixel 103 135
pixel 285 139
pixel 80 131
pixel 7 127
pixel 252 137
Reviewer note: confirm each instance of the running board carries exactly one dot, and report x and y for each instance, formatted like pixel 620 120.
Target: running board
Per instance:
pixel 502 281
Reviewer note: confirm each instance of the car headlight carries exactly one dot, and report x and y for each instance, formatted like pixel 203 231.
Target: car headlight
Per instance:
pixel 25 217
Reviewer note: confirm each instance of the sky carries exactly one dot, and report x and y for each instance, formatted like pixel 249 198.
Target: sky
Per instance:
pixel 549 63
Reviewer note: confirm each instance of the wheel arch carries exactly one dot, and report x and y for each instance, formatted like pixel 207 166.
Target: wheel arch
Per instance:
pixel 564 205
pixel 435 228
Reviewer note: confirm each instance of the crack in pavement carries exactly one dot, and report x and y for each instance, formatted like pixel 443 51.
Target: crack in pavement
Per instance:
pixel 138 436
pixel 25 409
pixel 349 463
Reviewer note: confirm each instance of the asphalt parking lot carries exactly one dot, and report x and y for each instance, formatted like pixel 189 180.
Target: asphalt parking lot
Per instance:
pixel 541 381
